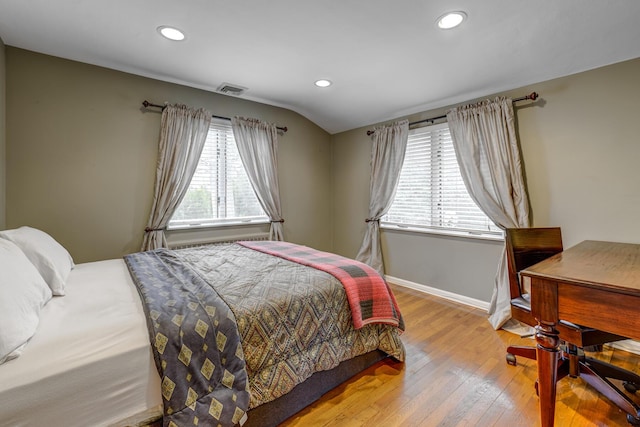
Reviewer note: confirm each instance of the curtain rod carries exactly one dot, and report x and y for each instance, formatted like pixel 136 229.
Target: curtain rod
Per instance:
pixel 147 104
pixel 532 96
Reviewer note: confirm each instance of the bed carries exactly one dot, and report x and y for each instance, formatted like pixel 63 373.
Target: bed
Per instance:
pixel 89 361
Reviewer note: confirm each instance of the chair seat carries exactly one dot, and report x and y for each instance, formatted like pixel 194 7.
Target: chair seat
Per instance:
pixel 523 302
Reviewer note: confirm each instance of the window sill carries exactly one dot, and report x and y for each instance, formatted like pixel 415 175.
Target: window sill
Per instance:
pixel 214 225
pixel 441 232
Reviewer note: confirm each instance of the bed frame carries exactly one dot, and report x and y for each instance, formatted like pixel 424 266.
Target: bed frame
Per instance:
pixel 273 413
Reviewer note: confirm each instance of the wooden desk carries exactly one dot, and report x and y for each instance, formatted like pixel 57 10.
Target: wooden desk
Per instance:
pixel 595 284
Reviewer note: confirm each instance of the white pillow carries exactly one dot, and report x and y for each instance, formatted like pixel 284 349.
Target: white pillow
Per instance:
pixel 52 260
pixel 23 292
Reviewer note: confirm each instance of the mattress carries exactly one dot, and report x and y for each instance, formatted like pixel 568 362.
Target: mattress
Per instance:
pixel 89 363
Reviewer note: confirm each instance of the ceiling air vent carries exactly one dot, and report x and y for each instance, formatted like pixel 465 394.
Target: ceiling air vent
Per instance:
pixel 231 89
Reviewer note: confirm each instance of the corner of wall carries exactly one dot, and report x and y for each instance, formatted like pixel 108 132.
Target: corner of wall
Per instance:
pixel 3 134
pixel 332 183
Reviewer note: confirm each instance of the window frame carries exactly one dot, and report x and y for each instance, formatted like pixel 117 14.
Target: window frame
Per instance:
pixel 204 223
pixel 434 229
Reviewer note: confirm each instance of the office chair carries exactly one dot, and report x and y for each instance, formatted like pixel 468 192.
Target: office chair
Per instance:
pixel 526 247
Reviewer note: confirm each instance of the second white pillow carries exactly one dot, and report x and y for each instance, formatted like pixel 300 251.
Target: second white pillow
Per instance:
pixel 51 259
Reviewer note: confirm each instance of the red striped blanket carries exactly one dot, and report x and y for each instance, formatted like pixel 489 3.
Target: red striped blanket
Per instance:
pixel 369 295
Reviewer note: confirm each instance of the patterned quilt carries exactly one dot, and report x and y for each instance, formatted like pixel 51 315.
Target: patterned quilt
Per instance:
pixel 369 296
pixel 292 320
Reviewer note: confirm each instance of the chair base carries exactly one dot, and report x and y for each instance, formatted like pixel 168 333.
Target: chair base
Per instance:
pixel 596 373
pixel 522 351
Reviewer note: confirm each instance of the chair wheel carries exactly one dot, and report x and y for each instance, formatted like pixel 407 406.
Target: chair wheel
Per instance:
pixel 633 420
pixel 511 359
pixel 630 387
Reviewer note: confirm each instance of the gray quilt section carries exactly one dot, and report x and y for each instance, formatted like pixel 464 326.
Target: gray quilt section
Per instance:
pixel 196 343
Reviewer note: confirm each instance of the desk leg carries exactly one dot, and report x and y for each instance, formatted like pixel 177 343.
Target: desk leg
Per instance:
pixel 547 355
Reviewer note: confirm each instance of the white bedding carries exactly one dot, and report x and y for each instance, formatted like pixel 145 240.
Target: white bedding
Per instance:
pixel 89 362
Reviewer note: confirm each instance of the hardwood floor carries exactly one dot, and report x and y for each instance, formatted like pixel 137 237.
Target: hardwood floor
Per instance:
pixel 456 375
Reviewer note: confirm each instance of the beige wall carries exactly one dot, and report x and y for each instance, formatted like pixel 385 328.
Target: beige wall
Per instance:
pixel 581 147
pixel 3 133
pixel 80 164
pixel 81 156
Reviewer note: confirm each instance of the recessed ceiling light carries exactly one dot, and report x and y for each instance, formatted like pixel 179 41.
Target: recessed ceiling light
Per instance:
pixel 171 33
pixel 323 83
pixel 451 20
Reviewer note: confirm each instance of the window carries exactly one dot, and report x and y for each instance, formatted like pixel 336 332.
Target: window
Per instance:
pixel 431 193
pixel 220 192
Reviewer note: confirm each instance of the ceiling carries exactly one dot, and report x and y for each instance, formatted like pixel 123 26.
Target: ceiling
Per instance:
pixel 386 58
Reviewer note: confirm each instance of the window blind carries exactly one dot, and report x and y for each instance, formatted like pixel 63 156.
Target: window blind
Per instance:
pixel 220 191
pixel 431 192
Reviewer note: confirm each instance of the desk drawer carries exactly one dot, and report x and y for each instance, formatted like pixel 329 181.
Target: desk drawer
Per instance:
pixel 609 311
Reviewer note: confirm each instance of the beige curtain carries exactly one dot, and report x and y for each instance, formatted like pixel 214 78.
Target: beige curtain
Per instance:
pixel 183 132
pixel 258 147
pixel 486 147
pixel 387 156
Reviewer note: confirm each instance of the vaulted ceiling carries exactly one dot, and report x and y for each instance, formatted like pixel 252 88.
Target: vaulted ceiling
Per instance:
pixel 385 58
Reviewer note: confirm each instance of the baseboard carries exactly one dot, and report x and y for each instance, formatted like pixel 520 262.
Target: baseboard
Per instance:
pixel 476 303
